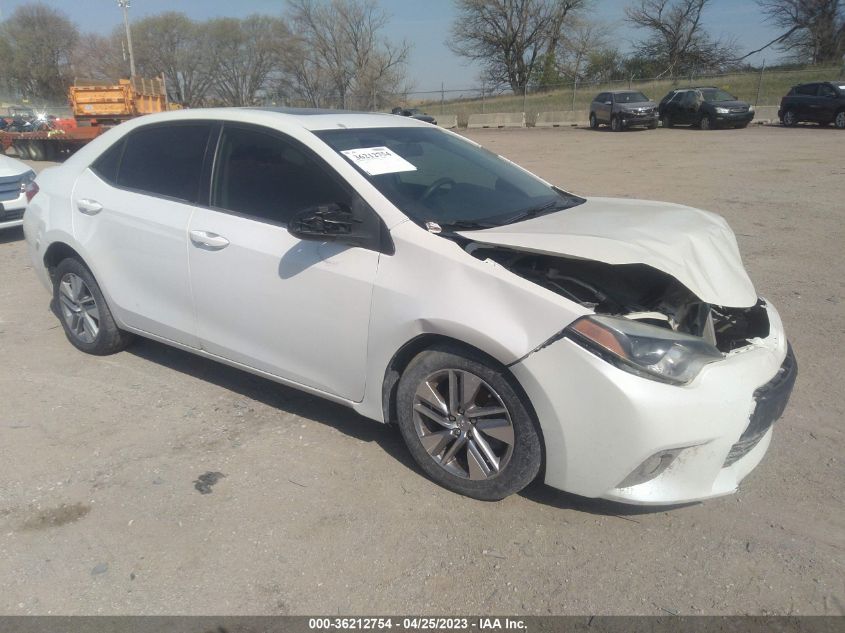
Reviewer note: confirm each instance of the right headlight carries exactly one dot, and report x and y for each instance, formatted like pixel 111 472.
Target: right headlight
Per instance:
pixel 642 349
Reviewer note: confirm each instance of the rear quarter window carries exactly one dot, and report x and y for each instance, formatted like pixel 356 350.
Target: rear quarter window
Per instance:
pixel 107 165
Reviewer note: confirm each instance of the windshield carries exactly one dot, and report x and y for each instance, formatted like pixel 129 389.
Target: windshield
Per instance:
pixel 433 176
pixel 717 95
pixel 630 97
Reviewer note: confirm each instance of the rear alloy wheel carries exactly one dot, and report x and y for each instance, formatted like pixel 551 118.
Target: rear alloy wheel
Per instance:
pixel 594 122
pixel 839 121
pixel 82 310
pixel 466 426
pixel 790 119
pixel 616 124
pixel 706 123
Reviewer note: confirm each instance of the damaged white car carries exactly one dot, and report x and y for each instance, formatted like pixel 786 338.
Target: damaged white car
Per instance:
pixel 615 348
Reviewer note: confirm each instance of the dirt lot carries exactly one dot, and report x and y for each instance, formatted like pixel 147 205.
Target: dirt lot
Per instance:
pixel 321 511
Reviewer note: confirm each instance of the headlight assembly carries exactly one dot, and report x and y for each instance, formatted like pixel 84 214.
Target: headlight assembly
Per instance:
pixel 642 349
pixel 28 177
pixel 722 110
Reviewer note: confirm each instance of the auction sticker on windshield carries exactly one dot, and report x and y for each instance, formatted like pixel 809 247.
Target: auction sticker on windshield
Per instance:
pixel 378 160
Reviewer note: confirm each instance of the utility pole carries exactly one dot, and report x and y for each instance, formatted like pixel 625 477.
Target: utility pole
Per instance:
pixel 125 4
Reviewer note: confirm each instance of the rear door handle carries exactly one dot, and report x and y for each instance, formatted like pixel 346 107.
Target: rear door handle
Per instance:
pixel 89 207
pixel 209 241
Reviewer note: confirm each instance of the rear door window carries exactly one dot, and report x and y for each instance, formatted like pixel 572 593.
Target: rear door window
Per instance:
pixel 826 91
pixel 165 160
pixel 808 90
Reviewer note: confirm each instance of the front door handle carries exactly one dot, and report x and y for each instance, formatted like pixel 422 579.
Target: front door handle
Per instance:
pixel 209 241
pixel 89 207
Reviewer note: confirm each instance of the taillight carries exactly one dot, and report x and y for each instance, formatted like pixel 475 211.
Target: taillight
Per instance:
pixel 31 190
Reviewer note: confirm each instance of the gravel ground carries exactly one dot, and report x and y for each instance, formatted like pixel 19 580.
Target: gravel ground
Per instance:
pixel 320 511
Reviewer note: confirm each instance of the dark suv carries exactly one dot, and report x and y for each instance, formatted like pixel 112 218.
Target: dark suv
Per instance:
pixel 821 102
pixel 707 107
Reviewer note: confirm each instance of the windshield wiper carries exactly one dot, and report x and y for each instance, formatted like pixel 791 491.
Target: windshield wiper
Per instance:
pixel 533 212
pixel 458 225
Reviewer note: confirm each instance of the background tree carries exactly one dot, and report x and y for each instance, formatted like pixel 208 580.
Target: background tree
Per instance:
pixel 677 40
pixel 39 41
pixel 174 45
pixel 813 30
pixel 511 37
pixel 245 56
pixel 341 53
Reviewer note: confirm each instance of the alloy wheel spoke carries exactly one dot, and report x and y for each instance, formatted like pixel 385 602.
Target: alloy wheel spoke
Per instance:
pixel 434 443
pixel 429 394
pixel 478 469
pixel 485 449
pixel 75 287
pixel 470 385
pixel 499 429
pixel 433 415
pixel 454 386
pixel 457 445
pixel 483 412
pixel 90 325
pixel 66 290
pixel 68 304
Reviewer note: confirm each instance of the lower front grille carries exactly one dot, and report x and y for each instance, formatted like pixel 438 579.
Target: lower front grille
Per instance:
pixel 771 401
pixel 11 216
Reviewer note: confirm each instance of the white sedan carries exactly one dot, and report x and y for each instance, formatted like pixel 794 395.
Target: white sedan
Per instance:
pixel 15 177
pixel 512 330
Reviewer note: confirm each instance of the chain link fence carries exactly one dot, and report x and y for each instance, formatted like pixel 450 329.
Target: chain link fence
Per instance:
pixel 761 88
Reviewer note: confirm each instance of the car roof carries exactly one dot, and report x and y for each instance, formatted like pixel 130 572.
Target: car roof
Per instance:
pixel 311 119
pixel 620 92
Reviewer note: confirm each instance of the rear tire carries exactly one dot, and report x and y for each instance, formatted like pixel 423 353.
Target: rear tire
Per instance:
pixel 466 424
pixel 839 120
pixel 790 119
pixel 22 149
pixel 82 310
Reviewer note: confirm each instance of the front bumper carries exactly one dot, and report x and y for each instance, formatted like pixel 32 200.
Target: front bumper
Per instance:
pixel 11 211
pixel 734 118
pixel 600 423
pixel 630 119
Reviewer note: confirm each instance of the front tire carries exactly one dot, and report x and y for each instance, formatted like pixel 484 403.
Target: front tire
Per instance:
pixel 615 124
pixel 705 123
pixel 466 424
pixel 86 319
pixel 839 121
pixel 594 122
pixel 667 120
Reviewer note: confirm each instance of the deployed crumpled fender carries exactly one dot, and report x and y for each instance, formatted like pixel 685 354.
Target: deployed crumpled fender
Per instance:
pixel 695 247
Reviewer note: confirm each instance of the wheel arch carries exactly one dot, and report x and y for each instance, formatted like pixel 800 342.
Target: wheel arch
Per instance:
pixel 58 251
pixel 422 342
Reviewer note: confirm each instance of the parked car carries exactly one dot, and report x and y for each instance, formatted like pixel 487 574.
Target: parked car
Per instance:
pixel 706 107
pixel 820 102
pixel 508 327
pixel 16 180
pixel 414 113
pixel 622 109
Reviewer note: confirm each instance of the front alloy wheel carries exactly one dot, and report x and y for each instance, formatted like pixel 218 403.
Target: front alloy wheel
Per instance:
pixel 839 121
pixel 467 423
pixel 463 424
pixel 616 124
pixel 594 122
pixel 706 123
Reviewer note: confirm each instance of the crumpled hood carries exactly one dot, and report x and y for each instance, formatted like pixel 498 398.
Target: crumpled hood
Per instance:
pixel 695 247
pixel 12 167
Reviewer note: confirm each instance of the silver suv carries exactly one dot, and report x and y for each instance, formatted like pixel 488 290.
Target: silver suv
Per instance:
pixel 622 109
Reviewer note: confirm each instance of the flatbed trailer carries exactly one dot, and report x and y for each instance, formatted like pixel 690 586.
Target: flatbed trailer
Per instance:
pixel 49 144
pixel 96 107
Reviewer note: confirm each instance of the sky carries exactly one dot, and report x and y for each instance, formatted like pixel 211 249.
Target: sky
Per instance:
pixel 425 24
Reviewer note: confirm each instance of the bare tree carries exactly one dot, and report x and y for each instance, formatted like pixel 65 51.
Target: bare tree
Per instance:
pixel 583 38
pixel 510 37
pixel 677 39
pixel 100 58
pixel 245 55
pixel 812 30
pixel 40 41
pixel 173 45
pixel 342 53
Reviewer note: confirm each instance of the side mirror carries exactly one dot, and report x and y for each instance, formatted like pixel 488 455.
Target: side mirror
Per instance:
pixel 336 222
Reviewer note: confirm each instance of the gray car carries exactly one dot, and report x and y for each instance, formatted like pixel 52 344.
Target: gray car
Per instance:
pixel 622 109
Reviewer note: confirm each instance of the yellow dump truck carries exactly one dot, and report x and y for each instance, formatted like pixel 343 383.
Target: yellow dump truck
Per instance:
pixel 108 104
